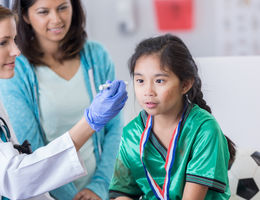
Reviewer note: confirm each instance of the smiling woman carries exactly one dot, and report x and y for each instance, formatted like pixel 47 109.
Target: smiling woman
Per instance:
pixel 50 20
pixel 8 49
pixel 57 75
pixel 25 174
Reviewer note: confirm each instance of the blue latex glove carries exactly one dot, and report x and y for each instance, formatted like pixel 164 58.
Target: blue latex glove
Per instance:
pixel 106 105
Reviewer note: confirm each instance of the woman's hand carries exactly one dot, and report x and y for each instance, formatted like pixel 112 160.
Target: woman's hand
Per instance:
pixel 106 105
pixel 86 194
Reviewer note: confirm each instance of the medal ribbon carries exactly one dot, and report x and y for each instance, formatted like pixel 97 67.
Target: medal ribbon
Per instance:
pixel 161 194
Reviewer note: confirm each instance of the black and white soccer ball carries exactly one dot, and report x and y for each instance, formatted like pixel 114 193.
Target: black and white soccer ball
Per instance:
pixel 244 176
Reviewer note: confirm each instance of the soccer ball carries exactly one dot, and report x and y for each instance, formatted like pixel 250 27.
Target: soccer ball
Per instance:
pixel 244 176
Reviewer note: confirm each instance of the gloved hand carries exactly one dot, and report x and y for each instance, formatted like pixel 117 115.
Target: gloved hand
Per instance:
pixel 106 105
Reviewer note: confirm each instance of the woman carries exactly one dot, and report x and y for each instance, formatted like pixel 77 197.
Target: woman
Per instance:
pixel 23 176
pixel 57 67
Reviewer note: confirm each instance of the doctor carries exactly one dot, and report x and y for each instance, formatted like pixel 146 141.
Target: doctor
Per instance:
pixel 26 175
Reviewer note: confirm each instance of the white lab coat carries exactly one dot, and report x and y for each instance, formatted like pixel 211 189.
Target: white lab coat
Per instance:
pixel 23 176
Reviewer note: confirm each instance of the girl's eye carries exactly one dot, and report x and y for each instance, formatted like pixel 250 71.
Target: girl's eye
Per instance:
pixel 139 80
pixel 3 43
pixel 159 81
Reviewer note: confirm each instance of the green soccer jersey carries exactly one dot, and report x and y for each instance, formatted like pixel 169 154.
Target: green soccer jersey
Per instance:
pixel 201 157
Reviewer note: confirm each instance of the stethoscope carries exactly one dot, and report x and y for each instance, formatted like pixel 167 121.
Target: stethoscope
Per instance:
pixel 6 136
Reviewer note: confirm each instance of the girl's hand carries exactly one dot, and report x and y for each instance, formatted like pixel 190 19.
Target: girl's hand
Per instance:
pixel 86 194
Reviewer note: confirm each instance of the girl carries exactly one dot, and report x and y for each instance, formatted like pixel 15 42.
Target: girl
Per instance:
pixel 23 176
pixel 60 69
pixel 174 149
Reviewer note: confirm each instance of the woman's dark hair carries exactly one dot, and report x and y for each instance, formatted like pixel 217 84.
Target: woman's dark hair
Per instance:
pixel 175 56
pixel 69 47
pixel 5 13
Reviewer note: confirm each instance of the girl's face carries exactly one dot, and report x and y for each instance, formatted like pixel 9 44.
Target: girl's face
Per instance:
pixel 50 19
pixel 158 91
pixel 8 48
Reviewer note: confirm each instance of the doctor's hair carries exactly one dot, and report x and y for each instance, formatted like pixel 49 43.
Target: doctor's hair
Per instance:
pixel 5 13
pixel 175 56
pixel 69 47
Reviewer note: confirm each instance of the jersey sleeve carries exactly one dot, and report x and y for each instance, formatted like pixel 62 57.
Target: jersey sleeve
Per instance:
pixel 123 183
pixel 209 157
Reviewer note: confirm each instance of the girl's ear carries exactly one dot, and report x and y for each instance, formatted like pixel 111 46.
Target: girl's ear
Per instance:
pixel 186 85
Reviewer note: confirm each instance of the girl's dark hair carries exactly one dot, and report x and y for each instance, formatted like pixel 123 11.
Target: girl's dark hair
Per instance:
pixel 69 47
pixel 5 13
pixel 175 56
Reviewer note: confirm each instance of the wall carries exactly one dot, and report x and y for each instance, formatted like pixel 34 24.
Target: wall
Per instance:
pixel 230 86
pixel 102 26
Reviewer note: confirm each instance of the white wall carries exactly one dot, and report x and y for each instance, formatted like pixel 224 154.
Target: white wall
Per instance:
pixel 231 87
pixel 102 26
